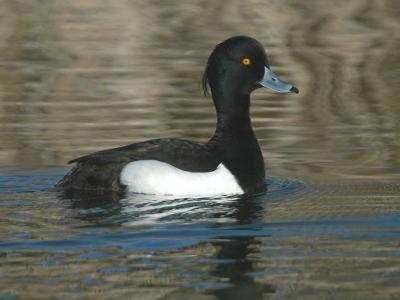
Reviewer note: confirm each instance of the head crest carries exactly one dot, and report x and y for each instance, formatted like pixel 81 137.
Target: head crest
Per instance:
pixel 204 82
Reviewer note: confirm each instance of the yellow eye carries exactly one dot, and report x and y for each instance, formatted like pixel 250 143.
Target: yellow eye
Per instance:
pixel 246 61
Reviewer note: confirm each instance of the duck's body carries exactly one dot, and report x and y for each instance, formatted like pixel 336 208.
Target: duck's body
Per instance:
pixel 239 153
pixel 230 162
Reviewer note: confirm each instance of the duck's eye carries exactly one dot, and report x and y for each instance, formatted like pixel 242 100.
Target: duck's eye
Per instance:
pixel 246 61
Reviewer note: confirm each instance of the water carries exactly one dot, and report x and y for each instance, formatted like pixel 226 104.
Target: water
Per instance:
pixel 77 77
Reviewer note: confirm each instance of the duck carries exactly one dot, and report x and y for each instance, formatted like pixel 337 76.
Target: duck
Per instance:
pixel 229 163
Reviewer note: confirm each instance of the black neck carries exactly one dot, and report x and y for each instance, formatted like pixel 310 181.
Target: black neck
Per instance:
pixel 231 103
pixel 237 144
pixel 233 116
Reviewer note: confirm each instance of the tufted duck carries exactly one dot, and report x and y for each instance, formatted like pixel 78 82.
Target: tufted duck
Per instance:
pixel 231 162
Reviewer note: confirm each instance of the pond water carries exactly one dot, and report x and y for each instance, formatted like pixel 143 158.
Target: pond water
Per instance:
pixel 81 76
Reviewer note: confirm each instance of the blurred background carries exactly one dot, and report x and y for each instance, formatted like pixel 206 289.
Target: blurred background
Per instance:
pixel 77 77
pixel 81 76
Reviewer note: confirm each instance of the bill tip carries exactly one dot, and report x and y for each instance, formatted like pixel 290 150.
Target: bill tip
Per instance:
pixel 294 90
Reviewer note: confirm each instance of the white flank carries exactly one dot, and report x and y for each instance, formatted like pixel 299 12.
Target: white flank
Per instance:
pixel 156 177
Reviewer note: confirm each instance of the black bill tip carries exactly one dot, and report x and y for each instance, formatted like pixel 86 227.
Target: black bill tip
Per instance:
pixel 294 90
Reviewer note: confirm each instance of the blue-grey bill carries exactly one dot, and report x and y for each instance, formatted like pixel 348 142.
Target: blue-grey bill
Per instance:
pixel 271 81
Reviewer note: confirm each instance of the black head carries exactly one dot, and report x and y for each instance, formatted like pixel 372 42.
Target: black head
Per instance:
pixel 237 62
pixel 237 66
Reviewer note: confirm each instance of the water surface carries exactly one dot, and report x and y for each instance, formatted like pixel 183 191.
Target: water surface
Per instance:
pixel 77 77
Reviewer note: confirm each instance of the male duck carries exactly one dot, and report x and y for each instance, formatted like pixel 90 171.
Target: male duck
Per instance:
pixel 230 162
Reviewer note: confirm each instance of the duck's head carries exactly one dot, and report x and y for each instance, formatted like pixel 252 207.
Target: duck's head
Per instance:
pixel 238 66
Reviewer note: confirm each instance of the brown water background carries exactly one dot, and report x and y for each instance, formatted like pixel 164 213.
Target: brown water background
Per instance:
pixel 81 76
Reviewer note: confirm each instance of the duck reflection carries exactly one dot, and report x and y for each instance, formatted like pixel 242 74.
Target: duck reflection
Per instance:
pixel 92 207
pixel 135 210
pixel 239 250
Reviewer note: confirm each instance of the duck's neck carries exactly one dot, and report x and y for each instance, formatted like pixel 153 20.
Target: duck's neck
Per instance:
pixel 237 144
pixel 231 125
pixel 232 112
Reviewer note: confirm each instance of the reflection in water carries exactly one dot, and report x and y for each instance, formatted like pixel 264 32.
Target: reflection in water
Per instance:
pixel 280 244
pixel 233 254
pixel 241 285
